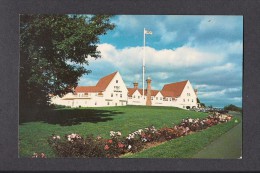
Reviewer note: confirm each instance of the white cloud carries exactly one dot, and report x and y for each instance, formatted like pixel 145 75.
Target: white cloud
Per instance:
pixel 131 58
pixel 87 82
pixel 219 93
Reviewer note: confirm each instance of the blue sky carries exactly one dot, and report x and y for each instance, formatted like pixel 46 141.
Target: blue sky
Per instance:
pixel 207 50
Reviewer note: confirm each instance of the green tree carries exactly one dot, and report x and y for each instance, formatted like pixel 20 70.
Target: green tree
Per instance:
pixel 54 50
pixel 232 107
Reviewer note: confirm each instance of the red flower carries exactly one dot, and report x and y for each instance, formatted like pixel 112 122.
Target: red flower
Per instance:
pixel 110 141
pixel 120 145
pixel 106 147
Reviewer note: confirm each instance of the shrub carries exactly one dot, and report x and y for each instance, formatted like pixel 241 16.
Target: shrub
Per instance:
pixel 232 108
pixel 77 146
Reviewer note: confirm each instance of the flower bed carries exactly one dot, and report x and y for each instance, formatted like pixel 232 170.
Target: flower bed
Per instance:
pixel 74 145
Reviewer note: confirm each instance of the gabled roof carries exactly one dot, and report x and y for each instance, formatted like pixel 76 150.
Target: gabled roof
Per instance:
pixel 173 89
pixel 104 81
pixel 100 86
pixel 132 90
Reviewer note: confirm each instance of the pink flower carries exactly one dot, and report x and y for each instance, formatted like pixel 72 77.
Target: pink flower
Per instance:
pixel 106 147
pixel 120 145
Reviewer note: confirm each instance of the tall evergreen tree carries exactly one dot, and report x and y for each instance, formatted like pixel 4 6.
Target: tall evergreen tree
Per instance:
pixel 54 50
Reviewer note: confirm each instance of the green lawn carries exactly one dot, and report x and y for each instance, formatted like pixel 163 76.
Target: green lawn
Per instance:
pixel 34 130
pixel 186 147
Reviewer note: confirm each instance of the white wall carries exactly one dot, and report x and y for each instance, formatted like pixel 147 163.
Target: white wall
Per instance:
pixel 187 97
pixel 136 99
pixel 119 91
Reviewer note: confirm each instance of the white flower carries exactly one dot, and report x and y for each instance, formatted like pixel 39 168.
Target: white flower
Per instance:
pixel 112 133
pixel 58 137
pixel 119 133
pixel 129 147
pixel 144 139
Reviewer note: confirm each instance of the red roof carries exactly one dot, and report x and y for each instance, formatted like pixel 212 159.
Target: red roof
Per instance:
pixel 101 85
pixel 103 82
pixel 132 90
pixel 173 89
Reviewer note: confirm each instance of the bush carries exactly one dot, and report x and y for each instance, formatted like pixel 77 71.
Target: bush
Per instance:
pixel 232 108
pixel 78 147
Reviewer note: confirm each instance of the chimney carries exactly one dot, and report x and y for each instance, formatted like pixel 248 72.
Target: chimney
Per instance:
pixel 135 85
pixel 148 94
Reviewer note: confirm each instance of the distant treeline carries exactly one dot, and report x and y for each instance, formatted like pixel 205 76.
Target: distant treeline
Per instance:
pixel 233 108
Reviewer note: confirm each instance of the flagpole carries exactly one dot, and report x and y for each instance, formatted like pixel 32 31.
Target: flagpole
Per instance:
pixel 144 62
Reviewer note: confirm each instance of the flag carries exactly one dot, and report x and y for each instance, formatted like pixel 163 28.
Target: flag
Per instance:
pixel 147 32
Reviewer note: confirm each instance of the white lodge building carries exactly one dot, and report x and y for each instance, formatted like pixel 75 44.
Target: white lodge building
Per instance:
pixel 112 91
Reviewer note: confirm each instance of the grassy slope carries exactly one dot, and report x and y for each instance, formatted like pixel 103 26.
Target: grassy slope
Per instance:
pixel 33 133
pixel 186 147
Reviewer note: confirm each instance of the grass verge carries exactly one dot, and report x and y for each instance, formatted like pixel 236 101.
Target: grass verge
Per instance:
pixel 34 130
pixel 187 146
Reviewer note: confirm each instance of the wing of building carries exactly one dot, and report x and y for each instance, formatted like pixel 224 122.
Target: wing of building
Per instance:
pixel 109 91
pixel 112 91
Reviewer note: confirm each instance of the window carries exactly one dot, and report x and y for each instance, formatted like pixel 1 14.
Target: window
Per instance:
pixel 111 94
pixel 160 98
pixel 170 99
pixel 139 97
pixel 134 96
pixel 116 95
pixel 95 103
pixel 107 103
pixel 151 98
pixel 116 81
pixel 116 104
pixel 188 100
pixel 183 100
pixel 120 95
pixel 156 98
pixel 192 100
